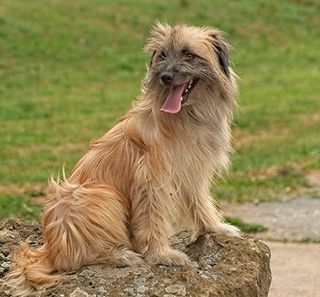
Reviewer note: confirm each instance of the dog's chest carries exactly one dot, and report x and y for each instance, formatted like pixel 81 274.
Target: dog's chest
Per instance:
pixel 195 154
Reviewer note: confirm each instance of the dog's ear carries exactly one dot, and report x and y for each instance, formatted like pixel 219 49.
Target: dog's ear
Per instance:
pixel 151 58
pixel 222 50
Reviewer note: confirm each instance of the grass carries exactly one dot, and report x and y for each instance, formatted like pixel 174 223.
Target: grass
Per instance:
pixel 18 206
pixel 244 226
pixel 69 69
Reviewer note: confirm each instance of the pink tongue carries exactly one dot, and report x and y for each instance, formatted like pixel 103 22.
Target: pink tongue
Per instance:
pixel 173 101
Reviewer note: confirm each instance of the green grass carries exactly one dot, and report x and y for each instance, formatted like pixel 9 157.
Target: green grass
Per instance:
pixel 69 69
pixel 244 226
pixel 18 206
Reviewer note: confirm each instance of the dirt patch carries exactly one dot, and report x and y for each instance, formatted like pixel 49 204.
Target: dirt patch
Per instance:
pixel 27 189
pixel 273 171
pixel 313 178
pixel 224 267
pixel 244 138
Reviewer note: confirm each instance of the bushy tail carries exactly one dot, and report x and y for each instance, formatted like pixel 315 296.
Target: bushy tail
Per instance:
pixel 31 272
pixel 82 224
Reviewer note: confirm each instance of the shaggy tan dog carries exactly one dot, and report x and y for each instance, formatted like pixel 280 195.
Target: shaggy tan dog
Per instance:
pixel 150 175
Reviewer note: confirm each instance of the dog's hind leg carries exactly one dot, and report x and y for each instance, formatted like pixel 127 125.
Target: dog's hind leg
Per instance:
pixel 82 225
pixel 122 257
pixel 87 224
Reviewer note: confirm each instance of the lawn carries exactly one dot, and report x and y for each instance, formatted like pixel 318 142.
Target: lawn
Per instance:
pixel 69 69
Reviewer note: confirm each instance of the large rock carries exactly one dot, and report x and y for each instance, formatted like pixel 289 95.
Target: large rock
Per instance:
pixel 221 266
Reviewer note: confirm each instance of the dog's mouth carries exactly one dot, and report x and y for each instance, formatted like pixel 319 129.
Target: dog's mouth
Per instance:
pixel 178 95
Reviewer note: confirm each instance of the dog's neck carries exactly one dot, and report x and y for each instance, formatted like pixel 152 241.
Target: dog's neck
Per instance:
pixel 210 112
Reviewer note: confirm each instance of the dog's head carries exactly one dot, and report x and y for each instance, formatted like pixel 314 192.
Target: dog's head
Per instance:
pixel 185 59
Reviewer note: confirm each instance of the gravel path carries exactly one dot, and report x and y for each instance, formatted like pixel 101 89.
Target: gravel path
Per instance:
pixel 295 266
pixel 295 269
pixel 294 220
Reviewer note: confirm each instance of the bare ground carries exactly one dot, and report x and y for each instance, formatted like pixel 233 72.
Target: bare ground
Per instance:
pixel 293 220
pixel 295 269
pixel 295 264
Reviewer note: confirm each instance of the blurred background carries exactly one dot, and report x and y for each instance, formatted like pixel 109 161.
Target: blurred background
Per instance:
pixel 69 69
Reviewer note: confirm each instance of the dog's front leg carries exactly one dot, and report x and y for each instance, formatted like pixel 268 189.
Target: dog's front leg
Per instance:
pixel 207 218
pixel 151 228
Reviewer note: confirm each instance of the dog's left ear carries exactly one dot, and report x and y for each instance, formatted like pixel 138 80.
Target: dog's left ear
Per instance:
pixel 157 36
pixel 151 58
pixel 222 50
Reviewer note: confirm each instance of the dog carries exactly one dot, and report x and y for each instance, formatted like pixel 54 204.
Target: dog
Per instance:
pixel 150 175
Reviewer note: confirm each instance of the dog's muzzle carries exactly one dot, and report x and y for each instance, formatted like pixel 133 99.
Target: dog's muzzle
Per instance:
pixel 178 93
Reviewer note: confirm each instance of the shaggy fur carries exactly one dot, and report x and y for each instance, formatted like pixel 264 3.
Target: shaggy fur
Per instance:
pixel 149 176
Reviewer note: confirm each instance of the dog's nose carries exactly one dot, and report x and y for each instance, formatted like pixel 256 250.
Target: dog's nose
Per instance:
pixel 167 78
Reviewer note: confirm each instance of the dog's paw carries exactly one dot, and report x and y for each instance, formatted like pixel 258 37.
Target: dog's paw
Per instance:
pixel 130 258
pixel 195 237
pixel 228 230
pixel 168 258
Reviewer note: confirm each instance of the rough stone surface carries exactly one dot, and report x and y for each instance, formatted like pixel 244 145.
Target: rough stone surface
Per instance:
pixel 220 267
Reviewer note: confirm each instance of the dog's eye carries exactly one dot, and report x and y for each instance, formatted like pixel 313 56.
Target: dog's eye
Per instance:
pixel 188 54
pixel 162 55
